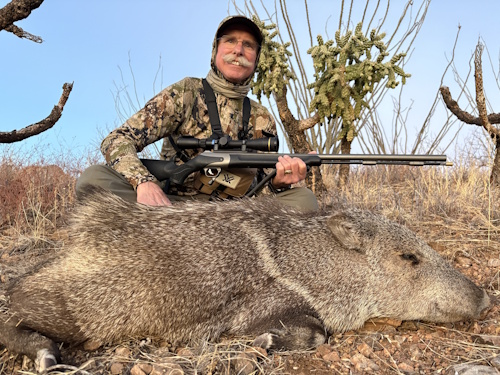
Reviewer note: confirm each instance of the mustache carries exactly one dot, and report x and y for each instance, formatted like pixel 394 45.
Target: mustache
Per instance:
pixel 230 58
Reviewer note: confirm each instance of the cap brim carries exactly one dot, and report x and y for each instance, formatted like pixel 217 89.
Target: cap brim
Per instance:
pixel 240 20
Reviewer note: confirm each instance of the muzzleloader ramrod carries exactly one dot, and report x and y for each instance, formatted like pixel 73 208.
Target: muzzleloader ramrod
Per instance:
pixel 224 153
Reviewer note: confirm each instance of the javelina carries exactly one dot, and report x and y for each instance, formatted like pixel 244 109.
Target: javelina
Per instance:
pixel 247 267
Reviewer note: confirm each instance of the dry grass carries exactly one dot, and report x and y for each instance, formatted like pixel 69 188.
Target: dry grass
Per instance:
pixel 455 202
pixel 454 208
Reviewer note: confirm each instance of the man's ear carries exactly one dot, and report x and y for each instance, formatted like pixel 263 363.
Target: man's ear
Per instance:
pixel 345 231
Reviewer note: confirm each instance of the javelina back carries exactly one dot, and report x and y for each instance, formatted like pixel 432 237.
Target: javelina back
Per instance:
pixel 246 267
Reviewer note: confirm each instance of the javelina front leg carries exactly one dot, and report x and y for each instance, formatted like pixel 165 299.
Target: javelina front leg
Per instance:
pixel 299 333
pixel 43 351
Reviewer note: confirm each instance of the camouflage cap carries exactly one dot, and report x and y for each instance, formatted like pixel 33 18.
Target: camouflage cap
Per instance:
pixel 232 21
pixel 243 21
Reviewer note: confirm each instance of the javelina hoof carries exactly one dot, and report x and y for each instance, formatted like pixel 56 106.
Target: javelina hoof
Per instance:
pixel 264 341
pixel 294 337
pixel 44 360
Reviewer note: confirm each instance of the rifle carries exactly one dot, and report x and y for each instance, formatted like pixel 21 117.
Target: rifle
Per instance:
pixel 224 153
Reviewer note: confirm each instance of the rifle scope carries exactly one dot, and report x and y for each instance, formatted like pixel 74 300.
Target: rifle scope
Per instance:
pixel 260 144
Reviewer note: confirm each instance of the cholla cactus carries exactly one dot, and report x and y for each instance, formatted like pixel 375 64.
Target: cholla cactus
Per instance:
pixel 345 74
pixel 273 72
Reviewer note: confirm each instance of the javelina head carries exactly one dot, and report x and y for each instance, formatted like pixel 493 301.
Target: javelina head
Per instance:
pixel 404 277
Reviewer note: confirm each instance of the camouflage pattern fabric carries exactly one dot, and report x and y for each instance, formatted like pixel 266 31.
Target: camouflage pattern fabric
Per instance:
pixel 178 110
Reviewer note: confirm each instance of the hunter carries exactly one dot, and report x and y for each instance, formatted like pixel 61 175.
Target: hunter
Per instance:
pixel 182 110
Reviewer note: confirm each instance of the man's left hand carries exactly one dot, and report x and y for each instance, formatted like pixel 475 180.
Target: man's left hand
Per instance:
pixel 289 171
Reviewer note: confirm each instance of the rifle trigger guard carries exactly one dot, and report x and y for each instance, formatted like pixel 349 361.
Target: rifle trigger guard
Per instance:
pixel 212 173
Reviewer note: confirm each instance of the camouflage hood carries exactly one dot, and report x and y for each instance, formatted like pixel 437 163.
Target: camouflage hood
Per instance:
pixel 215 78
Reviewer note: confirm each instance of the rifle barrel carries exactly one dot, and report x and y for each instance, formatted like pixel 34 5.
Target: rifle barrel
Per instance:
pixel 237 158
pixel 384 159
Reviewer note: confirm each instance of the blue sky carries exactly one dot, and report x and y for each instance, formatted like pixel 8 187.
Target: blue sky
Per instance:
pixel 88 41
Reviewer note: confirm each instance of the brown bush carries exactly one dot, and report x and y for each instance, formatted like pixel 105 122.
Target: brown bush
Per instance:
pixel 34 195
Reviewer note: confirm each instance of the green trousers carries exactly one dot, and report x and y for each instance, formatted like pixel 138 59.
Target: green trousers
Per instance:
pixel 109 179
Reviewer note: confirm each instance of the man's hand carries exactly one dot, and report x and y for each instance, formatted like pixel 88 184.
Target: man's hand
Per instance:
pixel 289 171
pixel 150 194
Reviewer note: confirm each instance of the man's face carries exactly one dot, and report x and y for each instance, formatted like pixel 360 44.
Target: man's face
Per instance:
pixel 237 52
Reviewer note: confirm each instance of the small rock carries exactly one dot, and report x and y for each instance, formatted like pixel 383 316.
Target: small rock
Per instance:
pixel 146 368
pixel 361 363
pixel 116 368
pixel 91 345
pixel 405 367
pixel 122 351
pixel 324 349
pixel 244 363
pixel 136 370
pixel 185 352
pixel 332 357
pixel 365 349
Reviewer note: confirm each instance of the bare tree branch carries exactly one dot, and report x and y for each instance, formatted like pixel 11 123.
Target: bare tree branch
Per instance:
pixel 17 31
pixel 39 127
pixel 493 118
pixel 480 100
pixel 17 10
pixel 484 120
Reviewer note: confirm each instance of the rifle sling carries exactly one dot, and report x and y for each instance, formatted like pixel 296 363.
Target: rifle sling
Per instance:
pixel 213 113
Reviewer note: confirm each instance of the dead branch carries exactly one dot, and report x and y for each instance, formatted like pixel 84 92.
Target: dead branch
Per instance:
pixel 493 118
pixel 39 127
pixel 484 120
pixel 17 31
pixel 480 100
pixel 17 10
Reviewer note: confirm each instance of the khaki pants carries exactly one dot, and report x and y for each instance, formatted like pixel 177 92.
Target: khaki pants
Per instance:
pixel 109 179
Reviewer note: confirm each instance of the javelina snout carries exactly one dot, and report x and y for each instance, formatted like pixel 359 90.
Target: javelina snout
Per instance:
pixel 251 267
pixel 411 281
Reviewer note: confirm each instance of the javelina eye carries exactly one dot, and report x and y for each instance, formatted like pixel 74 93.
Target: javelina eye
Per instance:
pixel 411 257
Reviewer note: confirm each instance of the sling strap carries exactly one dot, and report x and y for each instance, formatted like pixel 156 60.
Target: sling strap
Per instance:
pixel 213 113
pixel 243 134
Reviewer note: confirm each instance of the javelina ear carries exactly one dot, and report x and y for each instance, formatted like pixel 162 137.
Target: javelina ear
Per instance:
pixel 345 231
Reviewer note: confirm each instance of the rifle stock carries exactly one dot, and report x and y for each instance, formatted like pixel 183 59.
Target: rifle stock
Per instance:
pixel 163 169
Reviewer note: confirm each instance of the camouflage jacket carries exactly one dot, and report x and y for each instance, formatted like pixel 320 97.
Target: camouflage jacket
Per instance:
pixel 180 109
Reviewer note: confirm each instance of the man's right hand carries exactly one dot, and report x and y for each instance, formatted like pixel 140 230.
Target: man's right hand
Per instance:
pixel 151 194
